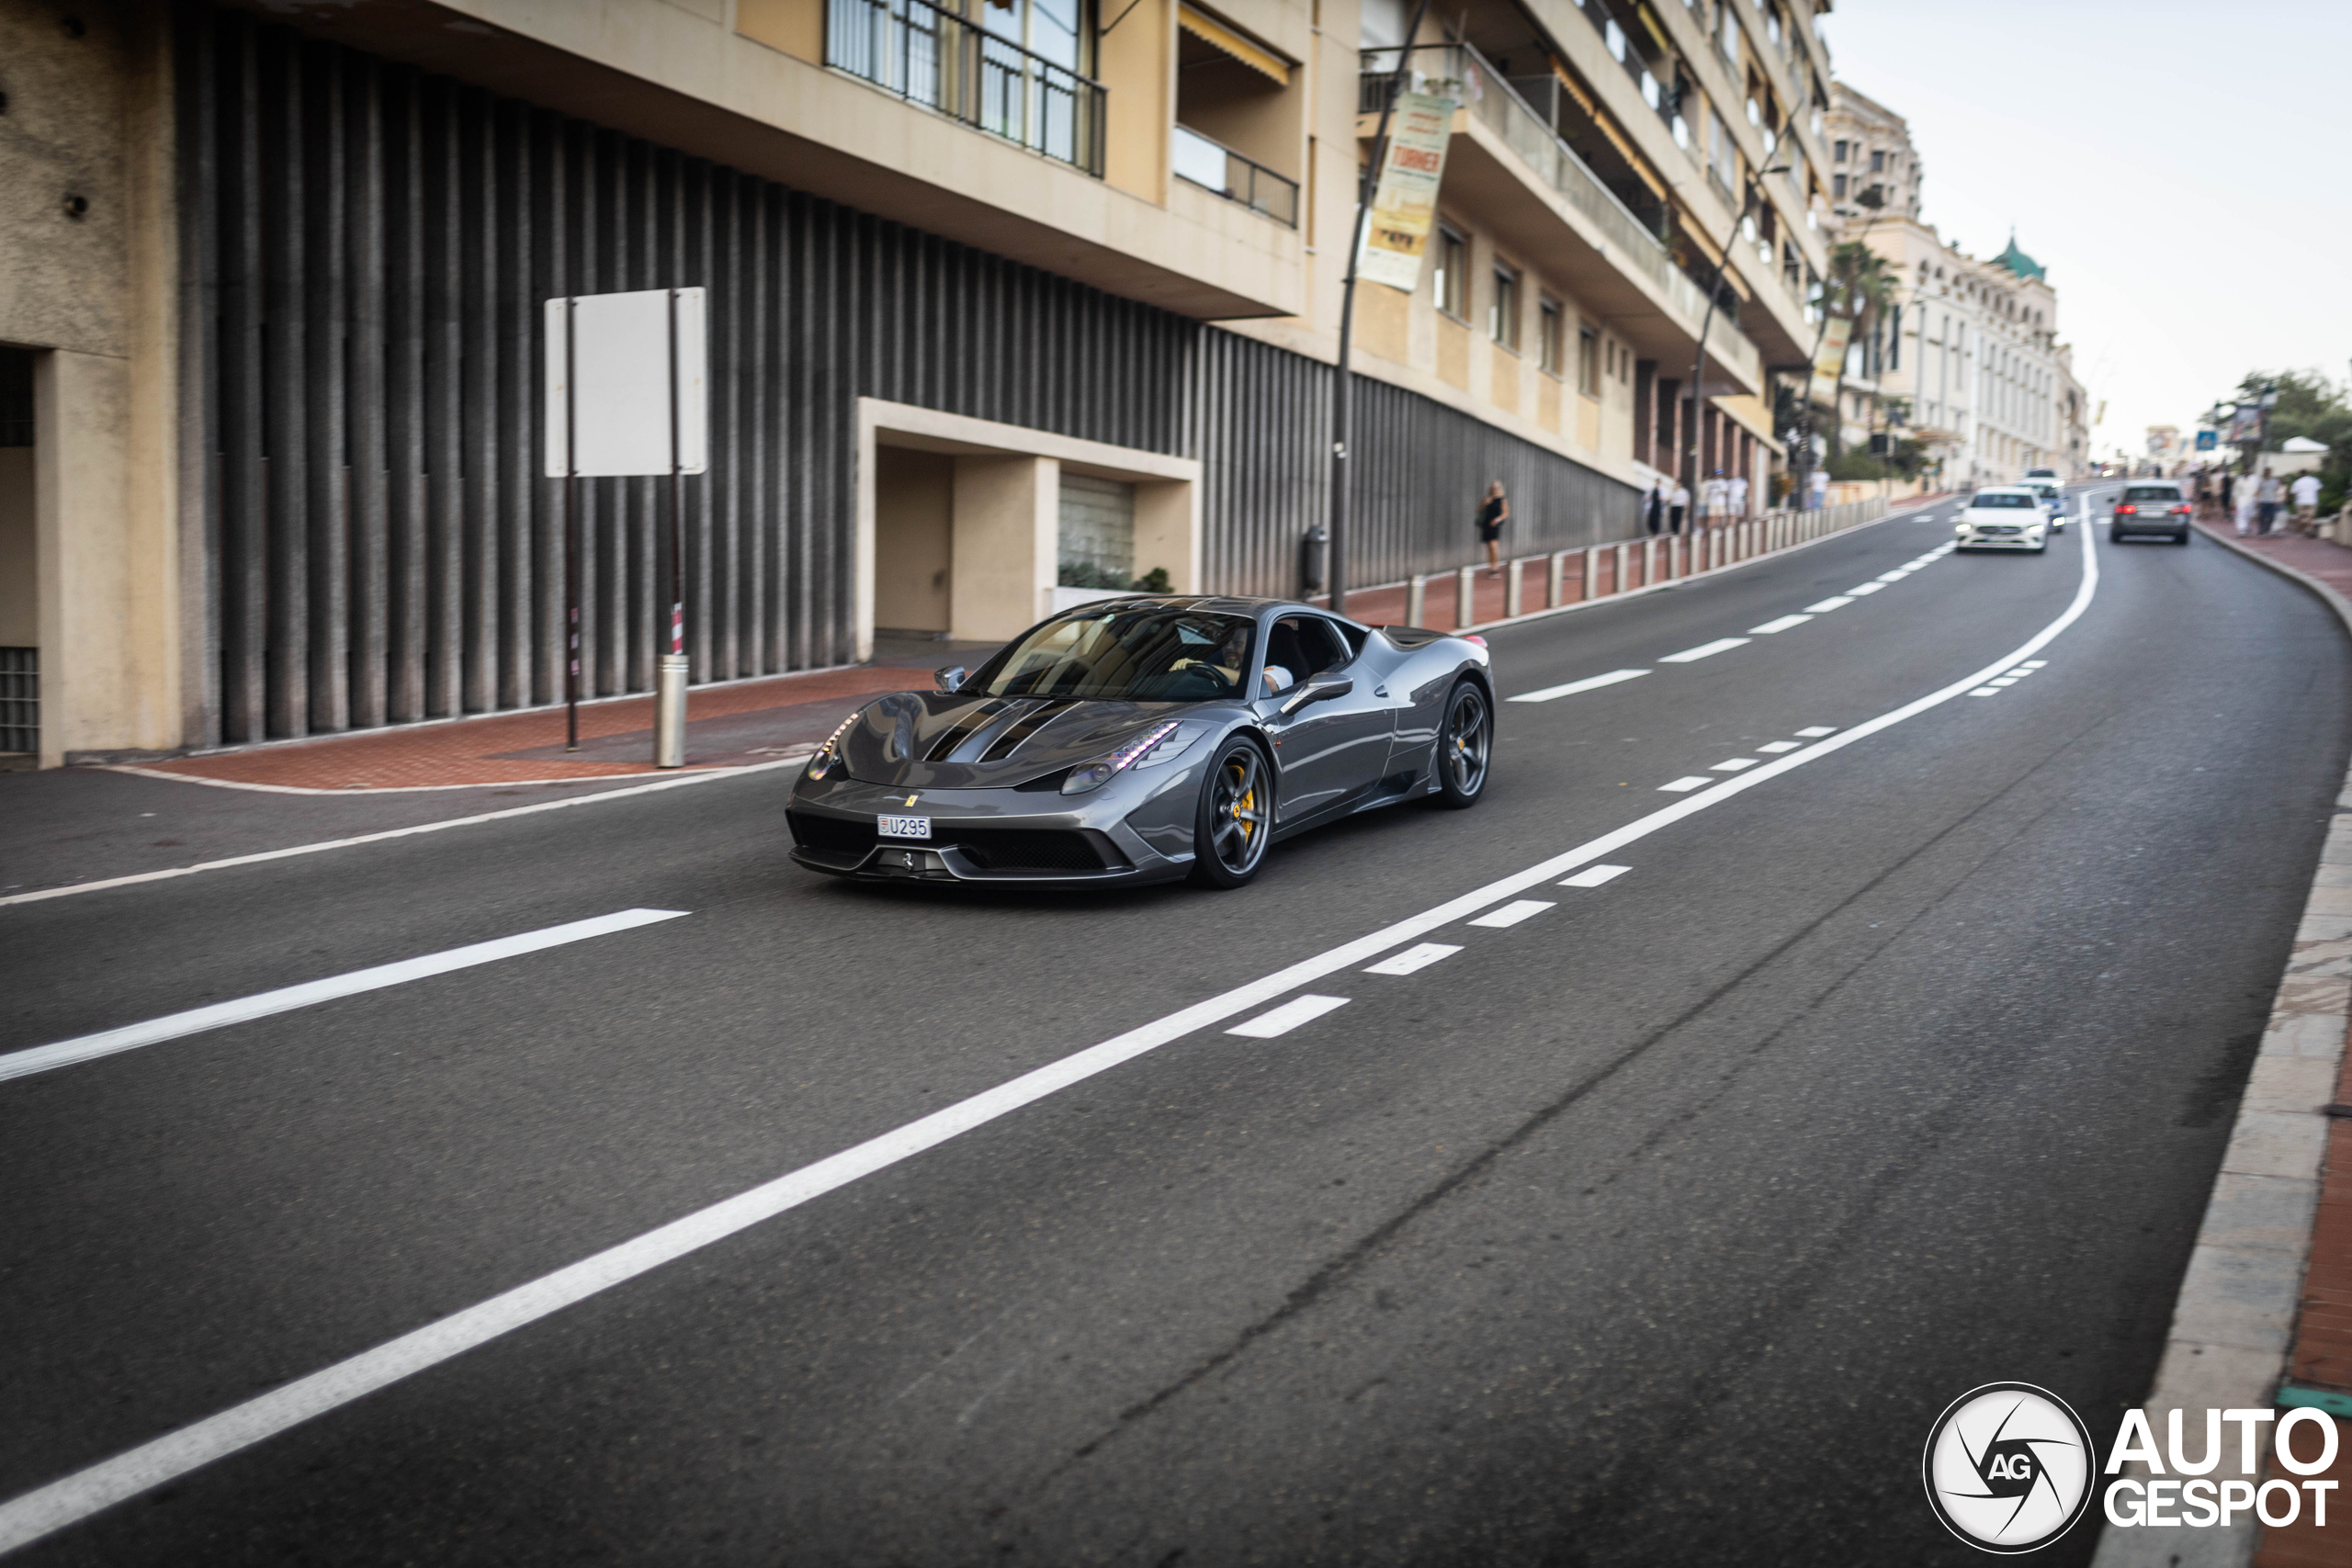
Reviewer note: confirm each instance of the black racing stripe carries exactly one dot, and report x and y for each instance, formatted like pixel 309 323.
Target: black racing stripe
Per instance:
pixel 955 734
pixel 1026 726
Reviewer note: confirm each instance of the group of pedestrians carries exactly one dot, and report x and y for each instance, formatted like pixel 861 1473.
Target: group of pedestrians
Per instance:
pixel 1721 502
pixel 2254 502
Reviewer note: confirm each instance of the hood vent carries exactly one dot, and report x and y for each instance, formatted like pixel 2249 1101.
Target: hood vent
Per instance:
pixel 964 728
pixel 1026 726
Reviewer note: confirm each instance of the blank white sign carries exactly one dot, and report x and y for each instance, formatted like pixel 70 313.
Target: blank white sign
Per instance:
pixel 610 415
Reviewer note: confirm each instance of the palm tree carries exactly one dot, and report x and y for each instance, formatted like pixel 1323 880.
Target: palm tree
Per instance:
pixel 1858 287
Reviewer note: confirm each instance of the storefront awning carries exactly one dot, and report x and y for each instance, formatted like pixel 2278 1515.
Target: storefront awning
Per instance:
pixel 1217 36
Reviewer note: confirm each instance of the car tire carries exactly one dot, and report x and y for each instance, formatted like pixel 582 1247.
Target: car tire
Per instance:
pixel 1235 818
pixel 2183 538
pixel 1466 745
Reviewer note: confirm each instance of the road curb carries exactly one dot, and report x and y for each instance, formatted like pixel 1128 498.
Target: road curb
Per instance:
pixel 2233 1323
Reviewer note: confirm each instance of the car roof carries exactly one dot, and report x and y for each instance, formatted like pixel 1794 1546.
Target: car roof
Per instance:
pixel 1219 605
pixel 2005 489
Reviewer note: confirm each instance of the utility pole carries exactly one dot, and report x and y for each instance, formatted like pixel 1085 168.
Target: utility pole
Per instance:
pixel 1343 378
pixel 1748 188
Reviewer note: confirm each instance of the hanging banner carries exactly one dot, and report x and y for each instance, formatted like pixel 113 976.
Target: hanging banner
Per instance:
pixel 1836 333
pixel 1404 204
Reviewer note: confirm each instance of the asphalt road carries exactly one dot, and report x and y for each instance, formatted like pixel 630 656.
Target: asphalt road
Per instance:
pixel 1655 1228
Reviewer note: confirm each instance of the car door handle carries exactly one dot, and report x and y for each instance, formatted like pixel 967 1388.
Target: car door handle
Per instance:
pixel 1380 691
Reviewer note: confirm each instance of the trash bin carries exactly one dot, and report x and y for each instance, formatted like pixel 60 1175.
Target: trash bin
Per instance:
pixel 1314 558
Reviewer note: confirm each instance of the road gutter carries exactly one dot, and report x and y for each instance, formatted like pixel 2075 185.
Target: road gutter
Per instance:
pixel 2234 1322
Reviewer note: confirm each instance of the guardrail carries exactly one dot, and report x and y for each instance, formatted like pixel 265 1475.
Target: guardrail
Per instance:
pixel 1213 166
pixel 1604 571
pixel 936 59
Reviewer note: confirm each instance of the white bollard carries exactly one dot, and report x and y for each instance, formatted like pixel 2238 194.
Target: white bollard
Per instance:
pixel 1511 602
pixel 1588 586
pixel 1465 598
pixel 1555 590
pixel 1416 589
pixel 1649 561
pixel 670 712
pixel 1624 561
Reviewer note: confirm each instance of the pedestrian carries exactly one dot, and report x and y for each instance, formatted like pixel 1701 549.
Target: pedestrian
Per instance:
pixel 2243 515
pixel 1678 506
pixel 1710 498
pixel 1739 498
pixel 1493 513
pixel 2265 504
pixel 1655 509
pixel 2229 496
pixel 2305 490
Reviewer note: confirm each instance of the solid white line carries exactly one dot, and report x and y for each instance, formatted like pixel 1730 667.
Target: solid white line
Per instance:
pixel 52 1507
pixel 1594 875
pixel 1690 781
pixel 1413 959
pixel 1512 914
pixel 1590 684
pixel 1734 764
pixel 1783 623
pixel 1817 731
pixel 565 804
pixel 1704 651
pixel 220 1015
pixel 1287 1016
pixel 1774 748
pixel 1835 602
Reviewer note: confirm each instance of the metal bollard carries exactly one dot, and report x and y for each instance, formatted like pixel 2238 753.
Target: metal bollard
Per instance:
pixel 1417 591
pixel 1511 600
pixel 670 712
pixel 1465 598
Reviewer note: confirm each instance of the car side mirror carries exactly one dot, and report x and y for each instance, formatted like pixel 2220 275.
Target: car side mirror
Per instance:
pixel 1316 691
pixel 950 679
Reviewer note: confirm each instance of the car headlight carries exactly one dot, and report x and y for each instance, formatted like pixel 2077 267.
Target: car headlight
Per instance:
pixel 1103 770
pixel 1959 528
pixel 828 755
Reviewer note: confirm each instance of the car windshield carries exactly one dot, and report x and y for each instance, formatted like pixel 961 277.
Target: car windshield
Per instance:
pixel 1994 499
pixel 2152 492
pixel 1137 653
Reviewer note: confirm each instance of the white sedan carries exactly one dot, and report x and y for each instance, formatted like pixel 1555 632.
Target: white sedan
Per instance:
pixel 2003 518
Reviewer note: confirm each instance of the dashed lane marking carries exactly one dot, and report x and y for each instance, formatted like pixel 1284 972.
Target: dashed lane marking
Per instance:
pixel 1735 764
pixel 1287 1016
pixel 1817 731
pixel 1783 623
pixel 1594 875
pixel 1774 748
pixel 1413 959
pixel 1835 602
pixel 1695 781
pixel 1512 913
pixel 1705 651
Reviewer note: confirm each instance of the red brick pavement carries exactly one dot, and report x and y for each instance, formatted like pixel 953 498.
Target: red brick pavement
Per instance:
pixel 2331 564
pixel 1386 606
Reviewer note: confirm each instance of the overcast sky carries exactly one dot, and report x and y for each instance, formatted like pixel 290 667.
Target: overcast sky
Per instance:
pixel 2180 168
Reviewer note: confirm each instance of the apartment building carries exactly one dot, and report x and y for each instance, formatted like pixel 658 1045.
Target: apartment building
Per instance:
pixel 1873 168
pixel 1000 291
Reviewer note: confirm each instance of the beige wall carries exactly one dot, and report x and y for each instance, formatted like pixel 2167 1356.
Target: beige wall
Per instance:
pixel 1137 64
pixel 90 116
pixel 914 509
pixel 1007 509
pixel 19 601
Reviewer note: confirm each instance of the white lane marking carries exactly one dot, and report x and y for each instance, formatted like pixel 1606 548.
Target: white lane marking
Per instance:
pixel 1783 623
pixel 2003 680
pixel 1774 748
pixel 2034 664
pixel 1860 589
pixel 1590 684
pixel 1512 914
pixel 220 1015
pixel 1734 764
pixel 1835 602
pixel 699 778
pixel 1986 692
pixel 1594 875
pixel 1287 1016
pixel 1817 731
pixel 1897 575
pixel 32 1515
pixel 1705 651
pixel 1694 781
pixel 1413 959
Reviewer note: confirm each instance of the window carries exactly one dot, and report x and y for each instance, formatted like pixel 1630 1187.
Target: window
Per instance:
pixel 1588 362
pixel 1878 162
pixel 1838 186
pixel 1502 312
pixel 1548 344
pixel 1453 262
pixel 1837 151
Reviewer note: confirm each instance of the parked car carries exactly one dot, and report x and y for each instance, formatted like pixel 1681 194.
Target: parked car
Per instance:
pixel 2150 507
pixel 2003 518
pixel 1142 738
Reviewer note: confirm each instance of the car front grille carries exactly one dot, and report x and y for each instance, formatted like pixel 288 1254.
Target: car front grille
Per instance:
pixel 833 837
pixel 1015 851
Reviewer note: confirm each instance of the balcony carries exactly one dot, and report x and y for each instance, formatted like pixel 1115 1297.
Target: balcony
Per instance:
pixel 1216 167
pixel 1463 72
pixel 939 61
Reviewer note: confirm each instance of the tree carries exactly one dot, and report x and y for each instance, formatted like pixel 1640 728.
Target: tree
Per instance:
pixel 1859 287
pixel 2311 406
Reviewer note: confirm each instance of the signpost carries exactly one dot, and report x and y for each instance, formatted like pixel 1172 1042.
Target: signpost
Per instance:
pixel 627 394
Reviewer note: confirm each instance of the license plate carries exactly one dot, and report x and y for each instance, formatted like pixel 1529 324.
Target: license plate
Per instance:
pixel 903 826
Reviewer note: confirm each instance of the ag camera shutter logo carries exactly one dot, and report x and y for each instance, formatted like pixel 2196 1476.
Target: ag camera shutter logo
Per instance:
pixel 2008 1468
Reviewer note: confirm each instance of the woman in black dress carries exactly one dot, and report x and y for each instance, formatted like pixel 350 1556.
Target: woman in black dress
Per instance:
pixel 1492 515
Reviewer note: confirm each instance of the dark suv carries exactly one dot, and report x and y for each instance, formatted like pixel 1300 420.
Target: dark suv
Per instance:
pixel 2150 507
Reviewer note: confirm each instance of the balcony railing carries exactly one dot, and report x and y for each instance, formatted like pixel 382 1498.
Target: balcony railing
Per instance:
pixel 937 59
pixel 1464 73
pixel 1216 166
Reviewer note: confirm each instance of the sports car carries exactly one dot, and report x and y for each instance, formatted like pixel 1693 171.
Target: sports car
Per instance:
pixel 1144 739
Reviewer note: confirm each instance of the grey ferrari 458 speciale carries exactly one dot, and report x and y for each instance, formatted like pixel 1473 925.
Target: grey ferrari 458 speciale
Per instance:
pixel 1146 738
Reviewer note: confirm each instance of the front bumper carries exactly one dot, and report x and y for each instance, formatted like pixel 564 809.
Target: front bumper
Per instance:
pixel 1136 828
pixel 2032 539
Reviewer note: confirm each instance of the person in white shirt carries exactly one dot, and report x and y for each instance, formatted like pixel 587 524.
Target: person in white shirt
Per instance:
pixel 2266 503
pixel 1738 497
pixel 2306 490
pixel 1680 507
pixel 1710 498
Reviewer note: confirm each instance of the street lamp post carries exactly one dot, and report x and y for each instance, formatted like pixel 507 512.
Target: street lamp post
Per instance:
pixel 1749 188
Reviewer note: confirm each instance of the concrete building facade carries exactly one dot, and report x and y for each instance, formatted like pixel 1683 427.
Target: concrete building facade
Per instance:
pixel 1000 294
